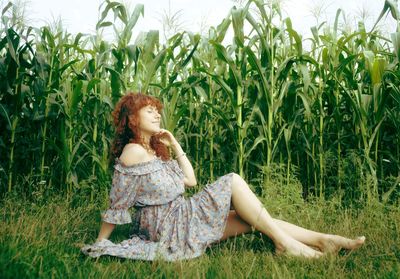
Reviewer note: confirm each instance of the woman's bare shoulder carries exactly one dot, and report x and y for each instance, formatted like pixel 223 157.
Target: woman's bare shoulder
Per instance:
pixel 133 153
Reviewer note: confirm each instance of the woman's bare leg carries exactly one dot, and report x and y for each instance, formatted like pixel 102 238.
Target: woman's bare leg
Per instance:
pixel 324 242
pixel 235 226
pixel 251 210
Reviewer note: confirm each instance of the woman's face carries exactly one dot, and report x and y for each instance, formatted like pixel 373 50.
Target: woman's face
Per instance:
pixel 149 119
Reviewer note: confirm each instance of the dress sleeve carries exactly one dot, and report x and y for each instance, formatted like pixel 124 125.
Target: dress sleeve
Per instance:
pixel 122 197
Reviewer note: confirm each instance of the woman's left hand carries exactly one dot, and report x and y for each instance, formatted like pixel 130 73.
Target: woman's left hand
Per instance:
pixel 169 140
pixel 166 137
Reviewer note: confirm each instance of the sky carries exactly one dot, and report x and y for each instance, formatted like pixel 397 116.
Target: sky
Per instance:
pixel 196 16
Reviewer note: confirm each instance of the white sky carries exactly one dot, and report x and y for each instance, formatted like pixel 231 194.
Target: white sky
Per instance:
pixel 82 15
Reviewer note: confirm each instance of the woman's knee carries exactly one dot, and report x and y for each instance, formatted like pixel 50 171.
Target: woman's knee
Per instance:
pixel 237 180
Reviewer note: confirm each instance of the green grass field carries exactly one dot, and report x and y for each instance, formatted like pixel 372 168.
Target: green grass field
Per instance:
pixel 43 240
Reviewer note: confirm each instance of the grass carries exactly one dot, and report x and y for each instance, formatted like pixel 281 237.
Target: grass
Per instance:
pixel 43 240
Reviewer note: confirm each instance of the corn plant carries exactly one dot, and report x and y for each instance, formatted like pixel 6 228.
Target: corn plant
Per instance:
pixel 255 105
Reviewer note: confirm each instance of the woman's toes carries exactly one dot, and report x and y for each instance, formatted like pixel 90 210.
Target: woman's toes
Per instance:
pixel 333 243
pixel 358 242
pixel 361 239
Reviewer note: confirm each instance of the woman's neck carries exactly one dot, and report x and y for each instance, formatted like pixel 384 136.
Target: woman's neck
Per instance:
pixel 145 139
pixel 145 142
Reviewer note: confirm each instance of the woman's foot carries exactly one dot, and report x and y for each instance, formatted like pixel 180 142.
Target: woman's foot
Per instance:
pixel 293 247
pixel 333 243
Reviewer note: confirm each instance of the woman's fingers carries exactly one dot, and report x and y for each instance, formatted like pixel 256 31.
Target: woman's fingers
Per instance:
pixel 165 137
pixel 165 142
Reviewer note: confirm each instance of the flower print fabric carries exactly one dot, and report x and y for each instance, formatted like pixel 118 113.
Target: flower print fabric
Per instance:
pixel 165 225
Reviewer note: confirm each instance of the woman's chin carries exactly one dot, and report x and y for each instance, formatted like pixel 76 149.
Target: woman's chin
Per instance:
pixel 155 131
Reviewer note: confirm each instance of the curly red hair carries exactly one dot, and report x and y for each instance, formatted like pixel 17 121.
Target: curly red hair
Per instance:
pixel 126 122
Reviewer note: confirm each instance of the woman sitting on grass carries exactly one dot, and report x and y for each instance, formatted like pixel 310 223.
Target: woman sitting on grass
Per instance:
pixel 168 226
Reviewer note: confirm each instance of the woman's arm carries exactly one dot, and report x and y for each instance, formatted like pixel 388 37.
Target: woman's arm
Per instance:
pixel 169 140
pixel 184 163
pixel 105 231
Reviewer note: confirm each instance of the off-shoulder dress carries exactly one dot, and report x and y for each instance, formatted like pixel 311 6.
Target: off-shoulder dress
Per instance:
pixel 166 225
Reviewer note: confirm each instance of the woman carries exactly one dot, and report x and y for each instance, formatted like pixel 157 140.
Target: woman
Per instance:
pixel 172 227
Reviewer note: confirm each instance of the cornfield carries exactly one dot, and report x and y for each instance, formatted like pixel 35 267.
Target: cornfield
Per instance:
pixel 262 104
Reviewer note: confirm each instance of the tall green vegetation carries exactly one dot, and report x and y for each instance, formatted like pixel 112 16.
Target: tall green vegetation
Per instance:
pixel 258 104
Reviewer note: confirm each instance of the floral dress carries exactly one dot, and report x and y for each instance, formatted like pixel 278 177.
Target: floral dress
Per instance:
pixel 166 225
